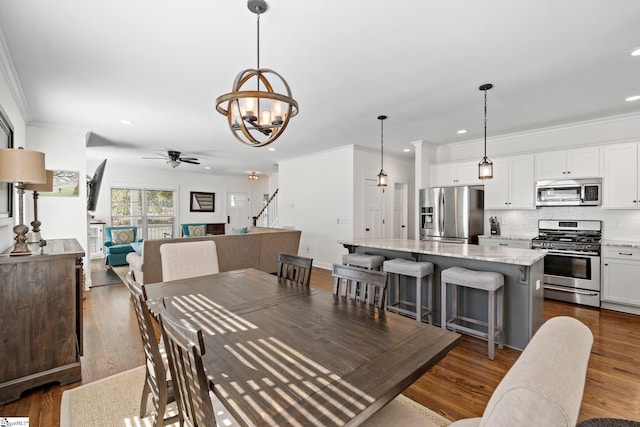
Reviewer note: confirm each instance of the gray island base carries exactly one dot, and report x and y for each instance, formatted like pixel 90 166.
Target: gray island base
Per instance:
pixel 523 271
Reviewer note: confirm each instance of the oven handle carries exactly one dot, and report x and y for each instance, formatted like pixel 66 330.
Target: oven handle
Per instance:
pixel 571 291
pixel 567 253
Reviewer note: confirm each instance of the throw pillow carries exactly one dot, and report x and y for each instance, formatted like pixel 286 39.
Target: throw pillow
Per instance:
pixel 122 236
pixel 196 230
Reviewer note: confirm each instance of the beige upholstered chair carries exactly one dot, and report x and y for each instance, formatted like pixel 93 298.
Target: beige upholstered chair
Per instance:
pixel 188 259
pixel 368 286
pixel 295 268
pixel 158 382
pixel 195 395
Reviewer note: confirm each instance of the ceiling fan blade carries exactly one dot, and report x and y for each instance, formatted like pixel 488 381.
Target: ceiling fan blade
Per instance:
pixel 193 162
pixel 184 159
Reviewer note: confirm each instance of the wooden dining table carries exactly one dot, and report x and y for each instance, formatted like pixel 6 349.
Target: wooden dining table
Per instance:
pixel 281 353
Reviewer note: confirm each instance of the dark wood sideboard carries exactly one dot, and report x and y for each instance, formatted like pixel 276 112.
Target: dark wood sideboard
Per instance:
pixel 40 318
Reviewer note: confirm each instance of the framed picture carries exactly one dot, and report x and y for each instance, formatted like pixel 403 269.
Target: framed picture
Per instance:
pixel 202 202
pixel 6 189
pixel 65 184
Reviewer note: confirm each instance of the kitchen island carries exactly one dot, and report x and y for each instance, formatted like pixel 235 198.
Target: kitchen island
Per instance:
pixel 523 271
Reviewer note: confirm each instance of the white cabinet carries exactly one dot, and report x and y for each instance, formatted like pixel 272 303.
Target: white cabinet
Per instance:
pixel 522 243
pixel 567 164
pixel 450 174
pixel 621 275
pixel 620 182
pixel 513 184
pixel 96 240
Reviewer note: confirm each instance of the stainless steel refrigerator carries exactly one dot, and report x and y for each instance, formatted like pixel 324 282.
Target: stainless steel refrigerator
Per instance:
pixel 452 214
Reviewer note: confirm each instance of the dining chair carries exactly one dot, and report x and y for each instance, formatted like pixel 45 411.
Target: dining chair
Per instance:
pixel 295 268
pixel 188 259
pixel 157 382
pixel 198 405
pixel 368 286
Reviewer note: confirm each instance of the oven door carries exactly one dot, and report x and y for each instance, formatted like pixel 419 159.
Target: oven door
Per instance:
pixel 573 277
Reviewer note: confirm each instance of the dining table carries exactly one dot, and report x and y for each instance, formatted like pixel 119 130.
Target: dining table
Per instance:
pixel 282 353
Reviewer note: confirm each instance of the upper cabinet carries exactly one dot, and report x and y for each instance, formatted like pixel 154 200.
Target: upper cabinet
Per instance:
pixel 620 184
pixel 513 184
pixel 450 174
pixel 568 164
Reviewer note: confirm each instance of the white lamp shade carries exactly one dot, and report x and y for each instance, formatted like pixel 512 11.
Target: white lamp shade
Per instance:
pixel 47 187
pixel 26 166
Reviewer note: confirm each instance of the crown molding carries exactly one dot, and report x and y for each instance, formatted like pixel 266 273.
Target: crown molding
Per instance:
pixel 11 76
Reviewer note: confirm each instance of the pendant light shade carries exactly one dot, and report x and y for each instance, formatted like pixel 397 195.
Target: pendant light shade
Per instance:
pixel 485 167
pixel 382 177
pixel 260 104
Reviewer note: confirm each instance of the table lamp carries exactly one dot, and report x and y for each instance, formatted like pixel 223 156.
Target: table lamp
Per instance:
pixel 35 224
pixel 21 166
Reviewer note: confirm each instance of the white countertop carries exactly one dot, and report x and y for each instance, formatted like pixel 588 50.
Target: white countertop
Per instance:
pixel 499 254
pixel 622 243
pixel 508 236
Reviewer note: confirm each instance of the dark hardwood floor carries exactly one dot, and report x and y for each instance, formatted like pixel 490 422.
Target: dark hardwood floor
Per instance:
pixel 458 387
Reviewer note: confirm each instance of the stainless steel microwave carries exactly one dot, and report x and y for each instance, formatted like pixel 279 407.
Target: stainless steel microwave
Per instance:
pixel 569 192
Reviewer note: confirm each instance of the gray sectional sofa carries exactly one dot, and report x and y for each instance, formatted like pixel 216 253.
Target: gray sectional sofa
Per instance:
pixel 258 248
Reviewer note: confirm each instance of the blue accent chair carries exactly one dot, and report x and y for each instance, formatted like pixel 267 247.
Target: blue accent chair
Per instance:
pixel 185 228
pixel 117 254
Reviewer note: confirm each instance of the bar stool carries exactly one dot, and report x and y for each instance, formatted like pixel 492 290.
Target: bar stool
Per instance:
pixel 488 281
pixel 370 262
pixel 403 267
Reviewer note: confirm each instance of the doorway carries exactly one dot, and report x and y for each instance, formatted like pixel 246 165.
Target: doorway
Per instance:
pixel 400 210
pixel 238 210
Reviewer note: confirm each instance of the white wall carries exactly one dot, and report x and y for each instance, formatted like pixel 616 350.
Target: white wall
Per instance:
pixel 601 131
pixel 12 113
pixel 182 181
pixel 316 196
pixel 367 166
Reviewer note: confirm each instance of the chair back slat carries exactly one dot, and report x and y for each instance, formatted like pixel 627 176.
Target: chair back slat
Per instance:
pixel 185 347
pixel 368 286
pixel 157 381
pixel 295 268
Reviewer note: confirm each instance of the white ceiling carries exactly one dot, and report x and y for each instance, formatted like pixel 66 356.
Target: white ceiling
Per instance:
pixel 89 64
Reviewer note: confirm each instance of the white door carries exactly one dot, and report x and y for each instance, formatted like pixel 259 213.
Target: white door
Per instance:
pixel 373 221
pixel 400 217
pixel 238 210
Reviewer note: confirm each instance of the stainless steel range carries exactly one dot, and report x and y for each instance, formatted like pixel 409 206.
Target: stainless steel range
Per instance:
pixel 572 264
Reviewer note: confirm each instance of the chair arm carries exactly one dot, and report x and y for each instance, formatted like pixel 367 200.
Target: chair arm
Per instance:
pixel 108 243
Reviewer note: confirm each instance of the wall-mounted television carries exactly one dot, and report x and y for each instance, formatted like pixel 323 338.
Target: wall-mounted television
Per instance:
pixel 93 187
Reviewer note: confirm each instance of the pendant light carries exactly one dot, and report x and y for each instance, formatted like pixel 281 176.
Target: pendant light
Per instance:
pixel 382 177
pixel 485 167
pixel 258 117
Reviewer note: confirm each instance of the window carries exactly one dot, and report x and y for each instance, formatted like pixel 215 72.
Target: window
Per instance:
pixel 152 211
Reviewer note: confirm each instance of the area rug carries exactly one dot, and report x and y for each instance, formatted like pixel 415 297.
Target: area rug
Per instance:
pixel 104 277
pixel 115 401
pixel 111 402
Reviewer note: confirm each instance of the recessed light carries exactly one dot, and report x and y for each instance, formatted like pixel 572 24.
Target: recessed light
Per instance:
pixel 406 150
pixel 272 149
pixel 633 98
pixel 635 52
pixel 461 131
pixel 126 122
pixel 207 167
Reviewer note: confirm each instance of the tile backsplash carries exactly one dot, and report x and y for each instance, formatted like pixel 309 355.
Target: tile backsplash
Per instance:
pixel 617 224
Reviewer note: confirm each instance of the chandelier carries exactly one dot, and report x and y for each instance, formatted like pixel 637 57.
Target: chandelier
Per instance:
pixel 258 117
pixel 485 167
pixel 254 177
pixel 382 177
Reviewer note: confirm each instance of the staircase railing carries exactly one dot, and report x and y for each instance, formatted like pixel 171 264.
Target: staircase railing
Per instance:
pixel 268 215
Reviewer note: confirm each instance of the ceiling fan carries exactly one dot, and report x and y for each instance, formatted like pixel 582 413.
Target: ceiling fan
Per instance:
pixel 173 158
